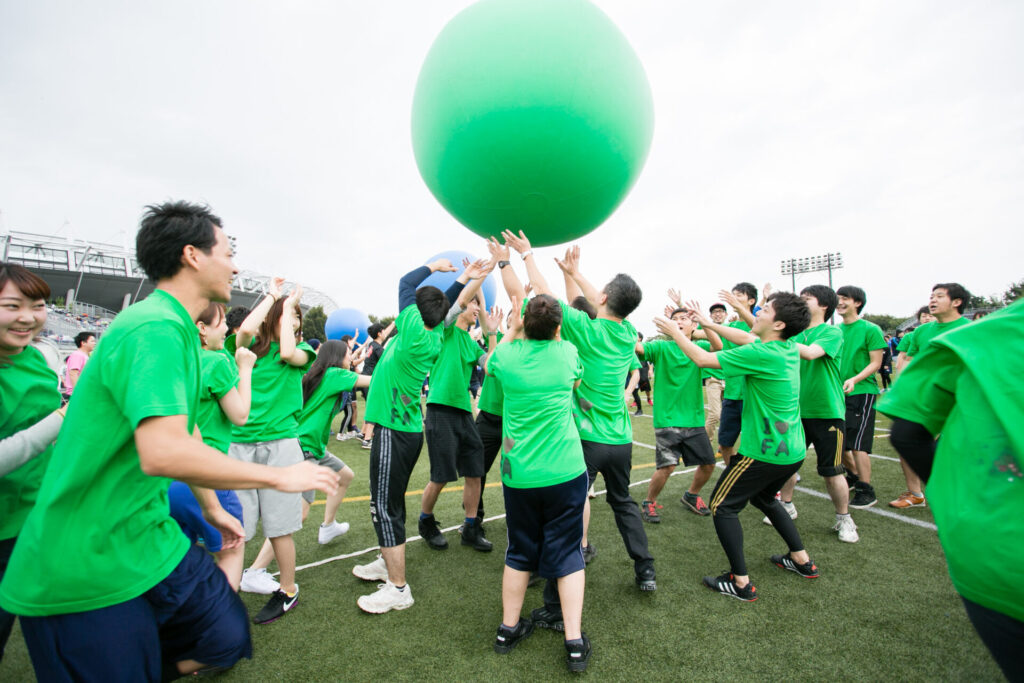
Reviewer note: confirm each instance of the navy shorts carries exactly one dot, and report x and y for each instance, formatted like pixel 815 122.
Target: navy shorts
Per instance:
pixel 453 444
pixel 186 512
pixel 730 422
pixel 545 527
pixel 191 614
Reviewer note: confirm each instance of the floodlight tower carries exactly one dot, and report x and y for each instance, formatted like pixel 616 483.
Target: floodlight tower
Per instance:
pixel 812 264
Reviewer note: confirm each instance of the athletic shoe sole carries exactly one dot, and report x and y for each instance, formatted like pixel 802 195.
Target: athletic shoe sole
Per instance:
pixel 864 506
pixel 398 607
pixel 700 512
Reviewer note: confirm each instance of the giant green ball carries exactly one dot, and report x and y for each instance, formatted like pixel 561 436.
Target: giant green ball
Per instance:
pixel 533 115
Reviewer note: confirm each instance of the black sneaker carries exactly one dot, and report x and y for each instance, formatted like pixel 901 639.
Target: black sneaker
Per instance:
pixel 726 585
pixel 431 533
pixel 545 618
pixel 577 655
pixel 851 480
pixel 279 603
pixel 645 580
pixel 506 640
pixel 649 512
pixel 638 412
pixel 865 496
pixel 695 504
pixel 473 536
pixel 589 553
pixel 808 570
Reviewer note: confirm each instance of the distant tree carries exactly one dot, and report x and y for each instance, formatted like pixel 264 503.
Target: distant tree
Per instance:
pixel 888 323
pixel 385 321
pixel 313 324
pixel 1013 292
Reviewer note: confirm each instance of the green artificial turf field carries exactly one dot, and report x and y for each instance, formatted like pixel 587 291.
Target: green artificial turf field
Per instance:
pixel 883 609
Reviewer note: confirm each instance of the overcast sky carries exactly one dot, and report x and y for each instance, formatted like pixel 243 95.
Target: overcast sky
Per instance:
pixel 889 131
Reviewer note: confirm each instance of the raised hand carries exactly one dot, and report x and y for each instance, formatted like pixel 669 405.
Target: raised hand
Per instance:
pixel 515 324
pixel 518 242
pixel 725 296
pixel 570 265
pixel 442 265
pixel 244 358
pixel 494 318
pixel 697 313
pixel 275 287
pixel 766 291
pixel 294 297
pixel 498 250
pixel 675 297
pixel 528 288
pixel 667 327
pixel 670 309
pixel 478 269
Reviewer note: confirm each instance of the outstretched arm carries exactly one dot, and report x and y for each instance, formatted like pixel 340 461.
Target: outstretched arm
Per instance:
pixel 700 357
pixel 251 325
pixel 706 325
pixel 571 268
pixel 522 245
pixel 513 287
pixel 411 280
pixel 741 310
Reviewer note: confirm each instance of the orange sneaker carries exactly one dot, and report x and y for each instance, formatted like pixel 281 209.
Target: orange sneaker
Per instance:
pixel 908 500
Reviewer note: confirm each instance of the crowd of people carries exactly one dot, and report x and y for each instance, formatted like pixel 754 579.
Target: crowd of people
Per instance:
pixel 194 424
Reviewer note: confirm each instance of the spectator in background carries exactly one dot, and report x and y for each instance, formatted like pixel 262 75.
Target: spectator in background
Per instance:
pixel 86 342
pixel 235 317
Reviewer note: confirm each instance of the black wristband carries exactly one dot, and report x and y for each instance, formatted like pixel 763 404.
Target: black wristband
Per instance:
pixel 502 264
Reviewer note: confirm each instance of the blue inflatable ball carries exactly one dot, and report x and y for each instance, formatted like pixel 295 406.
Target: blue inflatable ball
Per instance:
pixel 346 321
pixel 444 280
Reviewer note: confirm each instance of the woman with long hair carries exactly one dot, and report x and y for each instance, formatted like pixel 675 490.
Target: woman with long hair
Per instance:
pixel 30 412
pixel 226 386
pixel 270 436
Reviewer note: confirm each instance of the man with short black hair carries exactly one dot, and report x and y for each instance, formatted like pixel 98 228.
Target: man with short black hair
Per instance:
pixel 772 447
pixel 607 348
pixel 398 435
pixel 861 358
pixel 85 343
pixel 946 307
pixel 156 607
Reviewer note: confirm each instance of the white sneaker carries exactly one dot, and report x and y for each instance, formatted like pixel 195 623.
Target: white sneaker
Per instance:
pixel 387 598
pixel 375 571
pixel 847 530
pixel 790 508
pixel 331 531
pixel 258 581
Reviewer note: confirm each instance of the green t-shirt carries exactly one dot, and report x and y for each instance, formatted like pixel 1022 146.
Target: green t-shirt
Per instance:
pixel 28 393
pixel 449 377
pixel 101 532
pixel 394 400
pixel 905 342
pixel 541 446
pixel 966 387
pixel 219 376
pixel 859 339
pixel 678 395
pixel 276 396
pixel 491 394
pixel 317 413
pixel 608 352
pixel 926 333
pixel 821 388
pixel 770 428
pixel 734 384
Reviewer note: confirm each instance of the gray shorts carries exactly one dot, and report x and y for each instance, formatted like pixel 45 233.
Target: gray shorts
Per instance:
pixel 691 444
pixel 281 512
pixel 334 462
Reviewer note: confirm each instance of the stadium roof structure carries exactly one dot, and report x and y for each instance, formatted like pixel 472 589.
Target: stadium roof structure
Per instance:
pixel 107 275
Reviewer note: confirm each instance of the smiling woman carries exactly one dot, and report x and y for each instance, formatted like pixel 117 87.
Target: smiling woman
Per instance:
pixel 28 395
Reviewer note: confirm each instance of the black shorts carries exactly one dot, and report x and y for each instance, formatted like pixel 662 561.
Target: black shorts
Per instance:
pixel 545 528
pixel 453 444
pixel 393 455
pixel 488 428
pixel 827 438
pixel 860 422
pixel 691 444
pixel 192 614
pixel 747 480
pixel 644 385
pixel 729 423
